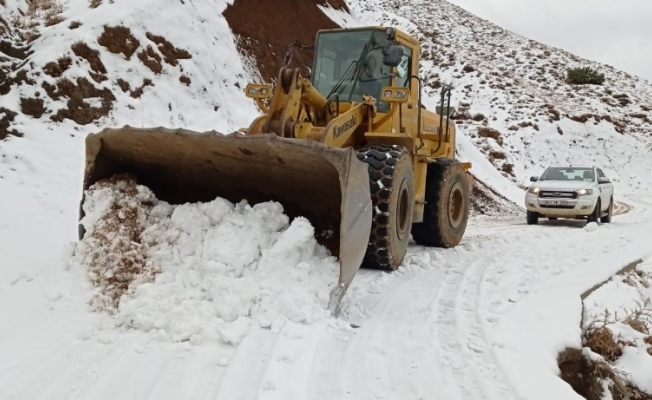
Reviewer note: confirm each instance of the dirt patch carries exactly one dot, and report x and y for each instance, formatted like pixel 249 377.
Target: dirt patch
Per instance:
pixel 185 80
pixel 266 39
pixel 336 4
pixel 6 118
pixel 32 106
pixel 171 54
pixel 486 201
pixel 13 50
pixel 85 104
pixel 112 248
pixel 82 50
pixel 18 79
pixel 139 91
pixel 124 85
pixel 56 68
pixel 119 40
pixel 151 59
pixel 487 132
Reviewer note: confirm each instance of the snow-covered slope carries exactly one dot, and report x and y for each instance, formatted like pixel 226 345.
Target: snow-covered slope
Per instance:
pixel 177 68
pixel 512 99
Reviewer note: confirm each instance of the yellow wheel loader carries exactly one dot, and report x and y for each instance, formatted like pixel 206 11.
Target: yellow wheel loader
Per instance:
pixel 351 148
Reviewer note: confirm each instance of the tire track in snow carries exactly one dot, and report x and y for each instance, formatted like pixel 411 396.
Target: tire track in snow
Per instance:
pixel 461 336
pixel 438 338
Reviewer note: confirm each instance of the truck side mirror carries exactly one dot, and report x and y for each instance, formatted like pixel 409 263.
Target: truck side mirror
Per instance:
pixel 534 178
pixel 392 54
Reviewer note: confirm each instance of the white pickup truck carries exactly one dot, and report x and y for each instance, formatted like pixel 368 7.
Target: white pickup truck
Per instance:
pixel 570 192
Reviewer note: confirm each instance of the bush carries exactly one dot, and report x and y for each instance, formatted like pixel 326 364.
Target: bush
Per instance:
pixel 585 75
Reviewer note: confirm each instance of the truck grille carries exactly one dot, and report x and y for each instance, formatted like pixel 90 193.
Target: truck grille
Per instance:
pixel 557 194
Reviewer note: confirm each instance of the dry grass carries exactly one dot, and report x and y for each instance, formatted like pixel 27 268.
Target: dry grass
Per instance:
pixel 599 338
pixel 39 13
pixel 640 317
pixel 586 377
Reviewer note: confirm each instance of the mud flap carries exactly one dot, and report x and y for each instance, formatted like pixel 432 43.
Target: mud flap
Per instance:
pixel 328 186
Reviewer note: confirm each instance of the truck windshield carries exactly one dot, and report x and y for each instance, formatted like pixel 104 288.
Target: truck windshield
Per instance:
pixel 350 63
pixel 568 174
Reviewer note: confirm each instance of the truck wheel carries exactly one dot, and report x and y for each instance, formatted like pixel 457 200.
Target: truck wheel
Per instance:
pixel 392 194
pixel 607 218
pixel 595 215
pixel 447 206
pixel 532 218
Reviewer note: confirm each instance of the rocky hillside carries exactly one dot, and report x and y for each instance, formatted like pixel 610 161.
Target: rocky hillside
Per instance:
pixel 513 98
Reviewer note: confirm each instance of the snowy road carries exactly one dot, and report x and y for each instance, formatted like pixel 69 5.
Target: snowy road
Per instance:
pixel 435 329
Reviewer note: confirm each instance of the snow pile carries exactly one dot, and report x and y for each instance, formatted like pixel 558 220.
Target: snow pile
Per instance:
pixel 618 325
pixel 216 267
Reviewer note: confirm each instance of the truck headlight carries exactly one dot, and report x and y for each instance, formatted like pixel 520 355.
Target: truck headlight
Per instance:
pixel 584 192
pixel 534 190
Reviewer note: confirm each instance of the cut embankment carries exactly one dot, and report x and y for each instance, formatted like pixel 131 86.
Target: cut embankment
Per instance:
pixel 616 354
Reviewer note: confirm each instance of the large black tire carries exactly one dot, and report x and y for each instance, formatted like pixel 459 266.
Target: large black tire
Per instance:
pixel 447 206
pixel 392 193
pixel 532 218
pixel 607 217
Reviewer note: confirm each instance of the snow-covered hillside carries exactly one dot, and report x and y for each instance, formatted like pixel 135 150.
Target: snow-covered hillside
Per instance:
pixel 125 64
pixel 230 303
pixel 512 99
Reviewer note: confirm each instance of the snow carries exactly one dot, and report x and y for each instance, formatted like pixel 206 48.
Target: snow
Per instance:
pixel 204 271
pixel 228 300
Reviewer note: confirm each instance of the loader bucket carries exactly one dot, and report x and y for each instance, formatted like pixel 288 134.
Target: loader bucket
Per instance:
pixel 328 186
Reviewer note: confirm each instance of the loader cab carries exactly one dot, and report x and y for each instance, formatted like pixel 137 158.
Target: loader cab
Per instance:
pixel 350 62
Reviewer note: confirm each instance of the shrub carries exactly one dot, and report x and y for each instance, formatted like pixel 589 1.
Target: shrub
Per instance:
pixel 584 75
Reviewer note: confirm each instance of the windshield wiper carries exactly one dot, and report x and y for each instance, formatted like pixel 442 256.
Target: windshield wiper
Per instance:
pixel 355 71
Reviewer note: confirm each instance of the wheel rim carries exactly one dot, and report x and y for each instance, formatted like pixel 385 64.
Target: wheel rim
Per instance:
pixel 455 210
pixel 402 209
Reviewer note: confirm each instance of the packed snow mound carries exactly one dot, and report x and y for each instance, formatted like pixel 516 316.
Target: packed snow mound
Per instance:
pixel 203 271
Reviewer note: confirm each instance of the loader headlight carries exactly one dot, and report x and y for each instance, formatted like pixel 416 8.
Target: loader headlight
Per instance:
pixel 534 190
pixel 584 192
pixel 256 91
pixel 395 94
